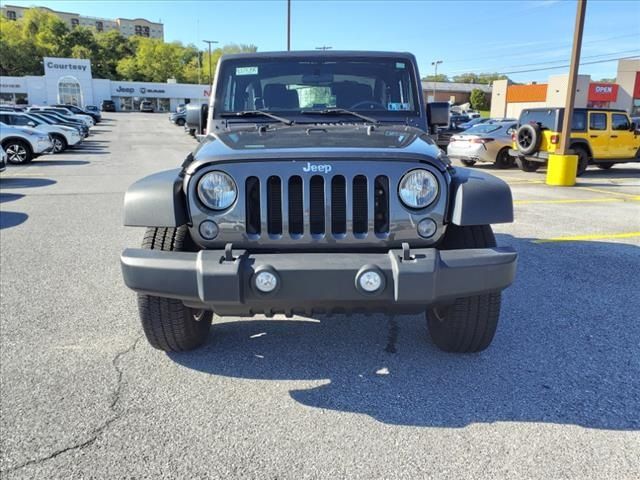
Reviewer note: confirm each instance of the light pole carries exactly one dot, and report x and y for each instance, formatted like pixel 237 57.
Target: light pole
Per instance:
pixel 209 42
pixel 435 77
pixel 288 25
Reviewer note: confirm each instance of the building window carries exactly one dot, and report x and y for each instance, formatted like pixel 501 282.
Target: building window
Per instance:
pixel 74 22
pixel 99 26
pixel 138 30
pixel 11 14
pixel 142 31
pixel 69 91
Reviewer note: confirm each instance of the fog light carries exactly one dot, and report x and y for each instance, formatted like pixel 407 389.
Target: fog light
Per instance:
pixel 370 281
pixel 266 281
pixel 426 228
pixel 209 230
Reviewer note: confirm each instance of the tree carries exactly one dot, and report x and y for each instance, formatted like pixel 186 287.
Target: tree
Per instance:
pixel 155 61
pixel 112 47
pixel 482 78
pixel 441 77
pixel 478 99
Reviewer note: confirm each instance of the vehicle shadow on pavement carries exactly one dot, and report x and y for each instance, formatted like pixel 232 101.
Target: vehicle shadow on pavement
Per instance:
pixel 566 351
pixel 19 182
pixel 55 163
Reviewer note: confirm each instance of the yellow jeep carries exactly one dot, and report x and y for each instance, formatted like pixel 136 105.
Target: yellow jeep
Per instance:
pixel 601 137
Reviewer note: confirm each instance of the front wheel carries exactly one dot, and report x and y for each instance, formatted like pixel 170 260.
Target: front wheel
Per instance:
pixel 168 324
pixel 503 159
pixel 469 323
pixel 180 122
pixel 59 143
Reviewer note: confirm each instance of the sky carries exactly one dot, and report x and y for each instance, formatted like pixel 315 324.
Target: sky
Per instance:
pixel 480 36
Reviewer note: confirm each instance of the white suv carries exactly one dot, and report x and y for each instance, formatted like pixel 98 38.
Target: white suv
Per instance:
pixel 61 135
pixel 23 144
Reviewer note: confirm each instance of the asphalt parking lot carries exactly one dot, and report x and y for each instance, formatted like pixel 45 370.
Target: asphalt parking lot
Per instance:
pixel 557 395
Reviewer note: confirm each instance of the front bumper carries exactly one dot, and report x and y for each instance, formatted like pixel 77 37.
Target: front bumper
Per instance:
pixel 318 282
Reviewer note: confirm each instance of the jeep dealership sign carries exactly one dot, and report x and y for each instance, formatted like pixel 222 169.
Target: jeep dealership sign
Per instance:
pixel 134 89
pixel 603 92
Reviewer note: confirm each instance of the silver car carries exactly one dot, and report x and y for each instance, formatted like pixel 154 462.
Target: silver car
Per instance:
pixel 486 142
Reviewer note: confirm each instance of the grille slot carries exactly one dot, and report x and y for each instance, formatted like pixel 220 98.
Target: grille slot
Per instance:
pixel 252 199
pixel 274 205
pixel 296 209
pixel 381 205
pixel 338 205
pixel 360 205
pixel 316 205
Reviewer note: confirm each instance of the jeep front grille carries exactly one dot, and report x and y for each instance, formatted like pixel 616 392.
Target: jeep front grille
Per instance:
pixel 327 201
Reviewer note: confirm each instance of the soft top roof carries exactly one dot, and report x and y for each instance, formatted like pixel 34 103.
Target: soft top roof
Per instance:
pixel 580 109
pixel 319 54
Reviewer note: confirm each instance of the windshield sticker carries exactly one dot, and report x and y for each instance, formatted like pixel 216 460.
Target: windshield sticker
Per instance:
pixel 400 65
pixel 396 106
pixel 246 71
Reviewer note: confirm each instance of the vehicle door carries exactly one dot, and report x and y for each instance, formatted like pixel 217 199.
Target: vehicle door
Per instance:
pixel 22 121
pixel 599 134
pixel 623 143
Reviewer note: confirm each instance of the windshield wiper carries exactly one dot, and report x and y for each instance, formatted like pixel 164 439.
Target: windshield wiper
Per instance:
pixel 340 111
pixel 256 113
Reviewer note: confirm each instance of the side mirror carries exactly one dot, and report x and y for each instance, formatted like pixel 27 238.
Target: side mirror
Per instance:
pixel 196 117
pixel 633 127
pixel 31 124
pixel 437 114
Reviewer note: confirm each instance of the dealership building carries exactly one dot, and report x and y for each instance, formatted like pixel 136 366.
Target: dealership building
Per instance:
pixel 69 80
pixel 509 100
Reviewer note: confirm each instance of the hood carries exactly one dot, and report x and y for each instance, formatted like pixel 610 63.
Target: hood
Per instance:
pixel 318 141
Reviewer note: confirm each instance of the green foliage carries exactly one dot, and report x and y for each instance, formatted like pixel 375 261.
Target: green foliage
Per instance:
pixel 483 78
pixel 39 34
pixel 441 77
pixel 478 99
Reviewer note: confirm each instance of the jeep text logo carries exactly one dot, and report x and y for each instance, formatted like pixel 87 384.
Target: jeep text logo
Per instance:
pixel 124 90
pixel 603 89
pixel 317 168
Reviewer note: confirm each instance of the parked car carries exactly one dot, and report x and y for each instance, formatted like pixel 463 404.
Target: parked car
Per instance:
pixel 181 107
pixel 86 119
pixel 96 116
pixel 601 137
pixel 23 144
pixel 61 136
pixel 179 118
pixel 485 142
pixel 146 106
pixel 333 207
pixel 108 106
pixel 3 159
pixel 444 134
pixel 53 118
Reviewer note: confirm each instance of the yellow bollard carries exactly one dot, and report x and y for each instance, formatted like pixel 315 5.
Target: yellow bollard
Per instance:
pixel 561 170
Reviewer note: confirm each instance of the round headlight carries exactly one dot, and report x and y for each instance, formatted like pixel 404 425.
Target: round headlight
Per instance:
pixel 217 190
pixel 418 188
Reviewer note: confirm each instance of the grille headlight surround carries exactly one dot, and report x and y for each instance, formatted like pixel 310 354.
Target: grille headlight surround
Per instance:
pixel 217 190
pixel 418 188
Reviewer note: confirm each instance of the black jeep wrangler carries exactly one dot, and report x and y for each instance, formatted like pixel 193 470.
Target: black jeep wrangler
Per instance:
pixel 318 189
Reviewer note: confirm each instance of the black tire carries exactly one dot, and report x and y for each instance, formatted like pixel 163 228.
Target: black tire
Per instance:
pixel 503 159
pixel 468 163
pixel 468 324
pixel 180 122
pixel 18 151
pixel 605 165
pixel 59 143
pixel 168 324
pixel 528 138
pixel 527 165
pixel 583 159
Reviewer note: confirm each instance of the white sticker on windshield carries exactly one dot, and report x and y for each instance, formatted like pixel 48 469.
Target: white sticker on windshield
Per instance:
pixel 246 71
pixel 396 106
pixel 400 65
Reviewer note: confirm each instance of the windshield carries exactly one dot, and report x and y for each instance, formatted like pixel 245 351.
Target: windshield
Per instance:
pixel 482 128
pixel 380 86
